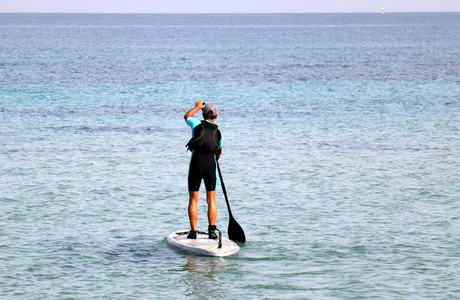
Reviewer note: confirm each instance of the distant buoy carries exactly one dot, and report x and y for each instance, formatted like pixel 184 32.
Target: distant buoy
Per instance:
pixel 7 10
pixel 383 10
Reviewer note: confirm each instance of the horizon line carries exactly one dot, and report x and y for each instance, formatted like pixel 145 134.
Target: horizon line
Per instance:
pixel 226 13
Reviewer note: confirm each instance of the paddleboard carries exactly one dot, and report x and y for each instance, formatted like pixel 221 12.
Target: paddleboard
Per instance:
pixel 202 245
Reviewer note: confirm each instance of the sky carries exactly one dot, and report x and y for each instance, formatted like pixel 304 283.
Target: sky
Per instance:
pixel 227 6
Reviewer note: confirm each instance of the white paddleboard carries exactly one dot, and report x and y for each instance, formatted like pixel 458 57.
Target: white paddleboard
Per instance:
pixel 202 245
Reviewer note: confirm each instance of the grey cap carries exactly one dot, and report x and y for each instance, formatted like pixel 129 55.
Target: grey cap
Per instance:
pixel 210 110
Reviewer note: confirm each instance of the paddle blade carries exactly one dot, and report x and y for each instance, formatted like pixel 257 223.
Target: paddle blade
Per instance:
pixel 235 232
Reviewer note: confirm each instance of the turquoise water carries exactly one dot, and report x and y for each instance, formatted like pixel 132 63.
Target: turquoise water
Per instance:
pixel 341 155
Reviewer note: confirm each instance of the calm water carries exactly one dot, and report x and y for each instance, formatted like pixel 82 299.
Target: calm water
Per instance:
pixel 341 155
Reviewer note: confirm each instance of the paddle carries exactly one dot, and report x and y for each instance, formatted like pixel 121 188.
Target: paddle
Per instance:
pixel 235 232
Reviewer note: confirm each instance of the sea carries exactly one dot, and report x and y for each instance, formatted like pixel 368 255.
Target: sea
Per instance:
pixel 341 154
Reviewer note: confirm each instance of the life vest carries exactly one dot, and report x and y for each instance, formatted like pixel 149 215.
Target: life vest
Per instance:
pixel 206 138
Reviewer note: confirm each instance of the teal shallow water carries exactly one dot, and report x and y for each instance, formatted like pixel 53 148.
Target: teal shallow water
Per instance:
pixel 346 188
pixel 359 209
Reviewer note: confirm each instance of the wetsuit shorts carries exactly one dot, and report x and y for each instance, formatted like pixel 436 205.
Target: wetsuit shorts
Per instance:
pixel 202 166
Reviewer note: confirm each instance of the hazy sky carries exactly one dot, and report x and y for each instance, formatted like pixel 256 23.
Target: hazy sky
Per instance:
pixel 228 6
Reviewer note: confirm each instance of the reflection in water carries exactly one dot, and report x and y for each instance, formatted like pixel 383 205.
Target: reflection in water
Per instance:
pixel 203 277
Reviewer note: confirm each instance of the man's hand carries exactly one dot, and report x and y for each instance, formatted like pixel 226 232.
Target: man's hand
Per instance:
pixel 199 104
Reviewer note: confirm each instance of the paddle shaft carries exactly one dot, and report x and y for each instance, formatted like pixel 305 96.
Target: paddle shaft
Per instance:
pixel 235 232
pixel 224 190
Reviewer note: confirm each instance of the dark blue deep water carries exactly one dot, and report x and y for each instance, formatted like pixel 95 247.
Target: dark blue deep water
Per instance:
pixel 341 155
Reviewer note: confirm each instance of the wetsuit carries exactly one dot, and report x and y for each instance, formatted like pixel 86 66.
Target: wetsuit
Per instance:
pixel 202 164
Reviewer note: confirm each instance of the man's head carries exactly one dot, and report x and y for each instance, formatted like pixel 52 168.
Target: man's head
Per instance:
pixel 210 111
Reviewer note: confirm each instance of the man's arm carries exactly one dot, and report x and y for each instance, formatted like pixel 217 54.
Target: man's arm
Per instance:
pixel 198 105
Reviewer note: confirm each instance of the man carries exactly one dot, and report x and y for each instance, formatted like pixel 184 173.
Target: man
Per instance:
pixel 206 146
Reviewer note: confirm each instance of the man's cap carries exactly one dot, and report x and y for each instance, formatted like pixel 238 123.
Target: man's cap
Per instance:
pixel 210 110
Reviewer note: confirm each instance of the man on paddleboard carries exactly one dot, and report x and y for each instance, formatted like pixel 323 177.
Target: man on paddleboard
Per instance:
pixel 206 146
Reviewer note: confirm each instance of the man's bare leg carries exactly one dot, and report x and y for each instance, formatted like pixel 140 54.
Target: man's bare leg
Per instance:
pixel 193 209
pixel 212 207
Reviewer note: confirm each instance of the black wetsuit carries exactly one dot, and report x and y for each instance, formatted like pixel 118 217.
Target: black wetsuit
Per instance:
pixel 203 162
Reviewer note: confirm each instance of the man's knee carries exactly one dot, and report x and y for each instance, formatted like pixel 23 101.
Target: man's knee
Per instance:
pixel 193 197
